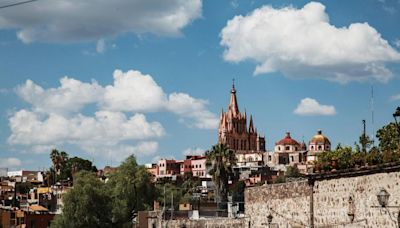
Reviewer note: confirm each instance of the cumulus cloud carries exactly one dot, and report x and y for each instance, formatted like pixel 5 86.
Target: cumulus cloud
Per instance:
pixel 71 96
pixel 10 162
pixel 193 151
pixel 133 91
pixel 302 43
pixel 71 20
pixel 311 107
pixel 193 111
pixel 137 92
pixel 117 126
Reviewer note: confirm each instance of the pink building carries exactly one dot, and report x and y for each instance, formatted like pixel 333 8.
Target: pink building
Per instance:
pixel 199 168
pixel 168 168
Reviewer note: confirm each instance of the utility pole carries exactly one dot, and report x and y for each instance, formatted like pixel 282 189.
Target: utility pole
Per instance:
pixel 172 205
pixel 364 139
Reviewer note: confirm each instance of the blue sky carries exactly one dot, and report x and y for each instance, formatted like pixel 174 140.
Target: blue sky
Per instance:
pixel 151 78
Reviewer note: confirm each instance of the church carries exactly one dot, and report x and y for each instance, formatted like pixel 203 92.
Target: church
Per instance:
pixel 234 132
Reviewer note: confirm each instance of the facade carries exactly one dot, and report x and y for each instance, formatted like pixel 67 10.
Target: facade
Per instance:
pixel 317 145
pixel 233 130
pixel 168 168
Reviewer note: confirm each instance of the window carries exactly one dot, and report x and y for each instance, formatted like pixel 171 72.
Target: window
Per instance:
pixel 319 147
pixel 291 158
pixel 200 166
pixel 269 157
pixel 287 148
pixel 279 148
pixel 312 147
pixel 196 166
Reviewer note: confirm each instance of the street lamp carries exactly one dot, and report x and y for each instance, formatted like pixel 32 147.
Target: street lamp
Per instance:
pixel 383 197
pixel 383 200
pixel 269 219
pixel 396 115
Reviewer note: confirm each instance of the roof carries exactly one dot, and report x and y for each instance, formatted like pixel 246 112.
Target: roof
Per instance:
pixel 37 208
pixel 287 141
pixel 319 138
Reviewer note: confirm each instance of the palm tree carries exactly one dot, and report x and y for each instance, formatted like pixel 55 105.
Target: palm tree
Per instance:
pixel 220 161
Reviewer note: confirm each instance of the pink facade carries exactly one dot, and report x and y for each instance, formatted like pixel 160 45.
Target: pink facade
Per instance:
pixel 168 167
pixel 199 168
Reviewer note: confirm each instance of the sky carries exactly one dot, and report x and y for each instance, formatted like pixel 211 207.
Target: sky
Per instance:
pixel 105 79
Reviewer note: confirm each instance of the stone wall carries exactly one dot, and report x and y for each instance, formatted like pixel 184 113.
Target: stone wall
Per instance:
pixel 288 203
pixel 293 205
pixel 206 223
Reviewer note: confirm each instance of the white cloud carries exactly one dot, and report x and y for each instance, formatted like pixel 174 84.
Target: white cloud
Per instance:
pixel 302 43
pixel 70 20
pixel 71 96
pixel 103 131
pixel 311 107
pixel 395 97
pixel 136 92
pixel 117 126
pixel 105 127
pixel 10 162
pixel 192 111
pixel 193 151
pixel 133 91
pixel 101 46
pixel 397 43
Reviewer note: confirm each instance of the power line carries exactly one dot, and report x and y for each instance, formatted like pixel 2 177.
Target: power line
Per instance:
pixel 16 4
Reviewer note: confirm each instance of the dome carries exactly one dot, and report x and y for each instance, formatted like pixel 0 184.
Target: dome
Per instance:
pixel 287 141
pixel 319 138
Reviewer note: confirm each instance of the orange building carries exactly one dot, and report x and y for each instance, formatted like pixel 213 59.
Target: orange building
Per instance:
pixel 234 132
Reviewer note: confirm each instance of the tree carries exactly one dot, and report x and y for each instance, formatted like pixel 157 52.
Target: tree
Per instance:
pixel 292 171
pixel 388 138
pixel 131 190
pixel 58 160
pixel 220 160
pixel 88 204
pixel 64 167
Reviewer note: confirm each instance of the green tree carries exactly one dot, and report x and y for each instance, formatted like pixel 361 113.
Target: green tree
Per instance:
pixel 131 190
pixel 220 160
pixel 388 137
pixel 292 171
pixel 88 204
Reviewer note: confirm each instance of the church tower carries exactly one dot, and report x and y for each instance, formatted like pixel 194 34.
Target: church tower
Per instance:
pixel 233 130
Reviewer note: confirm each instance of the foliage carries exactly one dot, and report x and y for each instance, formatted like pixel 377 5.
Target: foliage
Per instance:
pixel 88 204
pixel 220 161
pixel 292 171
pixel 346 157
pixel 64 167
pixel 388 138
pixel 24 187
pixel 131 190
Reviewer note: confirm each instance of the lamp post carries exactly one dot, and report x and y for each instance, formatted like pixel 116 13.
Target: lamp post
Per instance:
pixel 396 115
pixel 383 200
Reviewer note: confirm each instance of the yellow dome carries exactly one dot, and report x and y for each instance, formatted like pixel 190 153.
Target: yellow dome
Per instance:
pixel 319 138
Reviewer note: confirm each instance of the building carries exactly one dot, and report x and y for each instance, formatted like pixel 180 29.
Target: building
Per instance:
pixel 317 145
pixel 287 152
pixel 234 132
pixel 168 168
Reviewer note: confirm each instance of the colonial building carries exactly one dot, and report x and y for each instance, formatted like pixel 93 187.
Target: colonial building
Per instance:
pixel 287 151
pixel 233 130
pixel 318 144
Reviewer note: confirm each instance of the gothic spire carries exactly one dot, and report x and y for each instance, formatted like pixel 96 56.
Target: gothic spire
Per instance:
pixel 233 105
pixel 251 126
